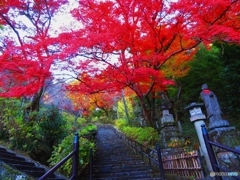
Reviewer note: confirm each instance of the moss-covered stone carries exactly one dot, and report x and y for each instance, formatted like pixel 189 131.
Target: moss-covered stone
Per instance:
pixel 8 173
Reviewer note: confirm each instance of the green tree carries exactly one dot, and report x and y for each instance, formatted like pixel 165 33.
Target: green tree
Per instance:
pixel 230 76
pixel 205 67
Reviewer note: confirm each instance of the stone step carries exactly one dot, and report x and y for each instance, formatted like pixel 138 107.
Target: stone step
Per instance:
pixel 24 165
pixel 113 160
pixel 121 178
pixel 16 161
pixel 132 174
pixel 125 170
pixel 11 156
pixel 116 161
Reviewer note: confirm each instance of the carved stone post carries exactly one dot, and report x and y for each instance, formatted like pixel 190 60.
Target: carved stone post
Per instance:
pixel 197 117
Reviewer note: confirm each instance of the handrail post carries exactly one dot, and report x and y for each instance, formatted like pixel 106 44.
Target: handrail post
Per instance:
pixel 149 158
pixel 160 162
pixel 75 157
pixel 91 165
pixel 210 151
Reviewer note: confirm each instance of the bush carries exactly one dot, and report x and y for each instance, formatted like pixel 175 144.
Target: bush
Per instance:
pixel 120 123
pixel 38 136
pixel 64 148
pixel 73 124
pixel 10 110
pixel 90 128
pixel 51 126
pixel 146 135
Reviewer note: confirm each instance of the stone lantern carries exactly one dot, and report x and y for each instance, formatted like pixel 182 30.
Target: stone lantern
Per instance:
pixel 169 131
pixel 197 117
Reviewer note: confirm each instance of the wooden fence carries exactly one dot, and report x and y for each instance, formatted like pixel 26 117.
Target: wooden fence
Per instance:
pixel 183 164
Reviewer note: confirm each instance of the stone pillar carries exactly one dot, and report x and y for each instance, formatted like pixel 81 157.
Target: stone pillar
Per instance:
pixel 169 131
pixel 197 117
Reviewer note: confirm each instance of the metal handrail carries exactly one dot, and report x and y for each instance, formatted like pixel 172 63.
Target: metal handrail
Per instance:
pixel 224 147
pixel 212 157
pixel 74 154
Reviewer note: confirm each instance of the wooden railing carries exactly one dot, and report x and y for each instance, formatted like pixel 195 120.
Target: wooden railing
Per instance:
pixel 184 164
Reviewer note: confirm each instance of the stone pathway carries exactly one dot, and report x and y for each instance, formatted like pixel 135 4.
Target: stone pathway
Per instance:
pixel 113 160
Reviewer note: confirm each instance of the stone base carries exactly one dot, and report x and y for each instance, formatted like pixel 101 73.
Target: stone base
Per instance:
pixel 229 137
pixel 222 130
pixel 228 160
pixel 169 133
pixel 218 124
pixel 226 136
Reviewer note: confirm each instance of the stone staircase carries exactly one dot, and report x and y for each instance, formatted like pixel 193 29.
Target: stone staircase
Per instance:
pixel 113 160
pixel 25 165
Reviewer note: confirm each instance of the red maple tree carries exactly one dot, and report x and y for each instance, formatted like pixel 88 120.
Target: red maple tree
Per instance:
pixel 26 52
pixel 142 36
pixel 125 43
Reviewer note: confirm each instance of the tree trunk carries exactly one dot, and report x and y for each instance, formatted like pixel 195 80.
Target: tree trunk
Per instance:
pixel 34 105
pixel 125 108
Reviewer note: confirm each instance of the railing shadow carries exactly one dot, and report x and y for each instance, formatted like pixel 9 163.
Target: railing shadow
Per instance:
pixel 74 154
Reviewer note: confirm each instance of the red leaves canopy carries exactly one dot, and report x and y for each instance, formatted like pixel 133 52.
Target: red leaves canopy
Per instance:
pixel 141 34
pixel 26 50
pixel 145 34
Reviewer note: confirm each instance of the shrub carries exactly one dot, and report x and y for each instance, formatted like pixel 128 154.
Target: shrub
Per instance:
pixel 38 136
pixel 90 128
pixel 145 135
pixel 73 123
pixel 51 126
pixel 64 148
pixel 120 123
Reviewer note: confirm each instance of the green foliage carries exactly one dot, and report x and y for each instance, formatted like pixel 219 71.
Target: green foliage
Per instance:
pixel 219 67
pixel 97 113
pixel 146 135
pixel 90 128
pixel 24 135
pixel 122 111
pixel 205 68
pixel 120 123
pixel 230 75
pixel 10 110
pixel 37 137
pixel 73 123
pixel 51 125
pixel 94 119
pixel 65 147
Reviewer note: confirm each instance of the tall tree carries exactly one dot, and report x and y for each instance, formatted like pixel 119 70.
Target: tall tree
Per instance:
pixel 230 76
pixel 143 35
pixel 27 51
pixel 125 43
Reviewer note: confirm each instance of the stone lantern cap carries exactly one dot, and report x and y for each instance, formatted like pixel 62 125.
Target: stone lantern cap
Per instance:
pixel 194 105
pixel 196 111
